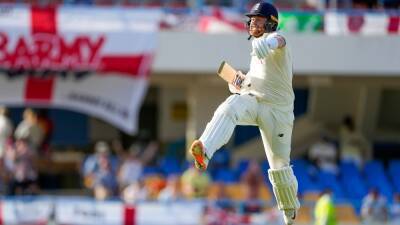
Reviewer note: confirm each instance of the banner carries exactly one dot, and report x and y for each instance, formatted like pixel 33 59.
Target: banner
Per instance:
pixel 90 212
pixel 362 23
pixel 300 22
pixel 88 59
pixel 25 211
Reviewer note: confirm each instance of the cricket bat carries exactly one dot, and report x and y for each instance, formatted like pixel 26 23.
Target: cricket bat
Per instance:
pixel 227 72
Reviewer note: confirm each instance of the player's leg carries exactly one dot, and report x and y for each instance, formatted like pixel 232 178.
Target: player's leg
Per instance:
pixel 236 109
pixel 276 136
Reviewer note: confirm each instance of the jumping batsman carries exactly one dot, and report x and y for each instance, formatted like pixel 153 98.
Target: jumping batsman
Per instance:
pixel 265 99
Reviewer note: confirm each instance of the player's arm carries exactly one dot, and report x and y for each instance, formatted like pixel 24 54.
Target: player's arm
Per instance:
pixel 263 46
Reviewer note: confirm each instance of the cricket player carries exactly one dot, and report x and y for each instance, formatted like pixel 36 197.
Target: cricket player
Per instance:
pixel 264 97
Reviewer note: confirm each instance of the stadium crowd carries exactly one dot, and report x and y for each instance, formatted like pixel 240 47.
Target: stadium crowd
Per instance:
pixel 146 170
pixel 237 4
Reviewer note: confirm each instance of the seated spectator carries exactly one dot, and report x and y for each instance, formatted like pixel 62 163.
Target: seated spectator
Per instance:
pixel 324 155
pixel 395 209
pixel 19 162
pixel 92 164
pixel 195 183
pixel 324 211
pixel 173 191
pixel 373 208
pixel 353 145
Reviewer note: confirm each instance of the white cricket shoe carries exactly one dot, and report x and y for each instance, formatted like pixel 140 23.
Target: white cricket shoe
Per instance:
pixel 289 216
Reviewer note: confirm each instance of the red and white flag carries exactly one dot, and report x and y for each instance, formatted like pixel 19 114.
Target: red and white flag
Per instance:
pixel 91 60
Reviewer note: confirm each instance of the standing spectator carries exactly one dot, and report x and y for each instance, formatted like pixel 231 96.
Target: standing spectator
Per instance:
pixel 353 146
pixel 133 162
pixel 324 211
pixel 252 179
pixel 6 129
pixel 29 129
pixel 395 209
pixel 46 124
pixel 373 208
pixel 19 161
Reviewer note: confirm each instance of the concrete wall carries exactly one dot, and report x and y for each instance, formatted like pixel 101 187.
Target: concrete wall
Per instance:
pixel 172 121
pixel 314 54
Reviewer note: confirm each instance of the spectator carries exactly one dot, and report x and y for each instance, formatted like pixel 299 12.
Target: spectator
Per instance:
pixel 30 130
pixel 19 161
pixel 135 192
pixel 6 129
pixel 323 154
pixel 324 211
pixel 46 125
pixel 172 191
pixel 373 208
pixel 105 183
pixel 130 170
pixel 395 209
pixel 92 164
pixel 353 146
pixel 252 180
pixel 133 162
pixel 195 183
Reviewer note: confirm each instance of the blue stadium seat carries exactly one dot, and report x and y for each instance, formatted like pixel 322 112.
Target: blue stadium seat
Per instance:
pixel 351 180
pixel 375 177
pixel 328 180
pixel 151 170
pixel 170 165
pixel 226 176
pixel 242 166
pixel 394 172
pixel 301 170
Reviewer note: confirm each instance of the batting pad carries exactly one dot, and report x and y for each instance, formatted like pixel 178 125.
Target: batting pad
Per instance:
pixel 217 132
pixel 284 184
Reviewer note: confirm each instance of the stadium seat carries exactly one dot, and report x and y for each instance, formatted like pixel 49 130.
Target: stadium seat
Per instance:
pixel 306 184
pixel 375 177
pixel 329 180
pixel 170 165
pixel 236 191
pixel 346 214
pixel 225 176
pixel 351 180
pixel 304 215
pixel 394 171
pixel 241 167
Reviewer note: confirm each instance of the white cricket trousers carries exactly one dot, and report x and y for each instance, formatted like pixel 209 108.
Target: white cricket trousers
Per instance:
pixel 275 127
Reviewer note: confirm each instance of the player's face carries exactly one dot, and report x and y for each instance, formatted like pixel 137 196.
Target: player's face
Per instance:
pixel 257 28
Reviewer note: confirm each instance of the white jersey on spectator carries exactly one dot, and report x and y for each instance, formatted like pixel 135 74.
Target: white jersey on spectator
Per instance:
pixel 271 78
